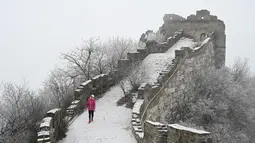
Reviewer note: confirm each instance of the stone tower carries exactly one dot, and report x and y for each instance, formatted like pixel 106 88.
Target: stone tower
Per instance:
pixel 198 27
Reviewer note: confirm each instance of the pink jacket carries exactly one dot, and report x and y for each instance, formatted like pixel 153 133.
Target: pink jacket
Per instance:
pixel 91 105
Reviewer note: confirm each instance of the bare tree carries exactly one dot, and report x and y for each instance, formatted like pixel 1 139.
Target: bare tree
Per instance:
pixel 116 48
pixel 123 87
pixel 20 110
pixel 95 57
pixel 59 88
pixel 240 69
pixel 81 58
pixel 100 61
pixel 137 76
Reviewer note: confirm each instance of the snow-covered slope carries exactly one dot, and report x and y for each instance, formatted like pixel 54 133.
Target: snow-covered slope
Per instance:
pixel 112 124
pixel 155 63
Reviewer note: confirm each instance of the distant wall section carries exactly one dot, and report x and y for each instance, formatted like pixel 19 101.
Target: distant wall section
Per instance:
pixel 199 27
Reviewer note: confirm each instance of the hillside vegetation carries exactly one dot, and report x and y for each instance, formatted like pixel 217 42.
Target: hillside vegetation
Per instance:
pixel 220 101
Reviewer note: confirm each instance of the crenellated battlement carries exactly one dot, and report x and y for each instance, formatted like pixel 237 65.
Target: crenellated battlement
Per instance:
pixel 201 15
pixel 151 45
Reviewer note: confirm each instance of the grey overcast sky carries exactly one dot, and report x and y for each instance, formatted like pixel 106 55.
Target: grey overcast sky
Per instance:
pixel 33 33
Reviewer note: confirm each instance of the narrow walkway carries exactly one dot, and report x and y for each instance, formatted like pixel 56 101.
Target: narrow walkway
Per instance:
pixel 111 124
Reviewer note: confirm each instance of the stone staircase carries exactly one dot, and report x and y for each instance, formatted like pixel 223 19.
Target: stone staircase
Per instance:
pixel 136 122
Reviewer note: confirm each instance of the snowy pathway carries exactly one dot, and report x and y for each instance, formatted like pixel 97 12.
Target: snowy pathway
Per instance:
pixel 111 123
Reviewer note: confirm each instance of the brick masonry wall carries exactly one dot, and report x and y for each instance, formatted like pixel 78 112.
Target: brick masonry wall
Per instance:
pixel 174 87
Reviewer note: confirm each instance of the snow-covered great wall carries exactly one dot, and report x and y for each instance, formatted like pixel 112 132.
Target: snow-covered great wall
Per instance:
pixel 179 47
pixel 157 101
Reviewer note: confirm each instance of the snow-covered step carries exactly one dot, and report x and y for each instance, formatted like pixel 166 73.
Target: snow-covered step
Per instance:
pixel 136 120
pixel 136 108
pixel 163 131
pixel 136 124
pixel 134 116
pixel 141 135
pixel 137 129
pixel 75 102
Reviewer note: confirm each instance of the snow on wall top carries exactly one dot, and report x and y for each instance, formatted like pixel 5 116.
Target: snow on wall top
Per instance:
pixel 75 101
pixel 78 90
pixel 154 123
pixel 45 122
pixel 43 133
pixel 203 43
pixel 136 108
pixel 101 75
pixel 86 82
pixel 180 127
pixel 53 111
pixel 44 139
pixel 71 107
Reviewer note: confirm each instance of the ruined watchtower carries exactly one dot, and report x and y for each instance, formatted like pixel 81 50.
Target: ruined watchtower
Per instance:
pixel 199 26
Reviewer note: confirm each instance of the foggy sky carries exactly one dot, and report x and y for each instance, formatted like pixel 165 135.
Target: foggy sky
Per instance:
pixel 33 33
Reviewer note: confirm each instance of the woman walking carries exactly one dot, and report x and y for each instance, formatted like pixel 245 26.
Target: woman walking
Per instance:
pixel 91 106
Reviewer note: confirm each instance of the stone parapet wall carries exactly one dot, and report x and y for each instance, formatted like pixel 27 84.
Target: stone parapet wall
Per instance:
pixel 156 132
pixel 49 125
pixel 172 82
pixel 178 133
pixel 136 122
pixel 151 47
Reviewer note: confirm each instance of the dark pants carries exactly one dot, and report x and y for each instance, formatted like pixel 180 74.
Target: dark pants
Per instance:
pixel 91 115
